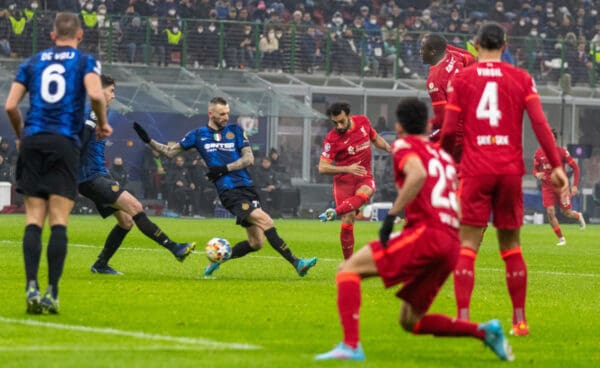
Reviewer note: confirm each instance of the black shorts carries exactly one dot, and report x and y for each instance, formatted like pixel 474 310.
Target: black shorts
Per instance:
pixel 47 164
pixel 104 192
pixel 240 202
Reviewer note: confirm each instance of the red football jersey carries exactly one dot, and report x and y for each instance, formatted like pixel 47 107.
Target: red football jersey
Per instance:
pixel 488 99
pixel 436 203
pixel 542 164
pixel 353 146
pixel 437 81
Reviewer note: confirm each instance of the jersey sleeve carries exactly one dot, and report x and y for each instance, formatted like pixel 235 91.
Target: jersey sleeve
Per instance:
pixel 92 66
pixel 189 140
pixel 22 74
pixel 372 131
pixel 327 154
pixel 539 123
pixel 452 116
pixel 242 138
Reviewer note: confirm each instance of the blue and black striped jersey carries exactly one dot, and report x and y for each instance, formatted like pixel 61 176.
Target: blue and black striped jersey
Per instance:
pixel 92 150
pixel 219 148
pixel 54 79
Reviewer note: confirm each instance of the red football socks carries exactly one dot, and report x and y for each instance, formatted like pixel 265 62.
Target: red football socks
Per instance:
pixel 464 281
pixel 348 285
pixel 516 280
pixel 347 240
pixel 352 204
pixel 441 325
pixel 557 231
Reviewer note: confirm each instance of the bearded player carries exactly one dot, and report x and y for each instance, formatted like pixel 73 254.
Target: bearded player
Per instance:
pixel 347 156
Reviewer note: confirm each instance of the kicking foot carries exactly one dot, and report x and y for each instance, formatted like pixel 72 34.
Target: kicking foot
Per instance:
pixel 328 215
pixel 343 352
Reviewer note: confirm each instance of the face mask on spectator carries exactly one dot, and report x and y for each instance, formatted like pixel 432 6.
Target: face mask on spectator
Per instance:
pixel 172 12
pixel 535 22
pixel 271 34
pixel 594 12
pixel 278 34
pixel 154 23
pixel 389 24
pixel 102 11
pixel 338 21
pixel 200 29
pixel 34 6
pixel 522 22
pixel 89 7
pixel 500 9
pixel 12 7
pixel 533 32
pixel 373 21
pixel 247 32
pixel 212 28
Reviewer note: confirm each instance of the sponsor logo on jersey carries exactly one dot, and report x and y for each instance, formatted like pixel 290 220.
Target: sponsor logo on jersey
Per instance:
pixel 229 135
pixel 492 140
pixel 226 146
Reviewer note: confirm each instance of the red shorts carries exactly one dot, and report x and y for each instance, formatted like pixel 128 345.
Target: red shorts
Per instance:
pixel 421 258
pixel 550 198
pixel 500 195
pixel 345 186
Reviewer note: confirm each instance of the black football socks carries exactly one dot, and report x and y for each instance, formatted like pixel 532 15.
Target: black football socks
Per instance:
pixel 32 250
pixel 56 252
pixel 241 249
pixel 279 245
pixel 113 242
pixel 152 231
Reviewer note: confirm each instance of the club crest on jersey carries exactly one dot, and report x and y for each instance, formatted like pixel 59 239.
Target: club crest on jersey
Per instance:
pixel 115 187
pixel 217 137
pixel 245 206
pixel 432 87
pixel 229 135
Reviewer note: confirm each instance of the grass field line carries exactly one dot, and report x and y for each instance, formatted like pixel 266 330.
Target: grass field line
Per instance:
pixel 196 342
pixel 90 348
pixel 541 272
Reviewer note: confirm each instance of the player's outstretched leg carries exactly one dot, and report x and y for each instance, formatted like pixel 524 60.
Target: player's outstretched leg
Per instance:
pixel 239 250
pixel 495 340
pixel 581 221
pixel 151 230
pixel 561 241
pixel 301 265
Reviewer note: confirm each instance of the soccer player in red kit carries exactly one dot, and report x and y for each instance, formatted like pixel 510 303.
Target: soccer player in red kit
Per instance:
pixel 423 255
pixel 347 156
pixel 445 61
pixel 542 170
pixel 489 98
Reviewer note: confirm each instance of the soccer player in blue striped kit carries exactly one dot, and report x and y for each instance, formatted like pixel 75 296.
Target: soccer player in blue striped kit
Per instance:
pixel 227 153
pixel 110 198
pixel 57 80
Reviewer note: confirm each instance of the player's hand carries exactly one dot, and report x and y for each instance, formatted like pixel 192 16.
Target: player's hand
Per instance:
pixel 574 190
pixel 103 131
pixel 357 170
pixel 559 180
pixel 386 229
pixel 540 176
pixel 141 132
pixel 216 172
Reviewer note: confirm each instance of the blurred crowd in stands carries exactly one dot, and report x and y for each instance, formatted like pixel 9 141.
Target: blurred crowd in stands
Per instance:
pixel 373 38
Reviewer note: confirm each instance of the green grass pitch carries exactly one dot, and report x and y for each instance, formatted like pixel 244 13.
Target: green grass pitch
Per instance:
pixel 256 312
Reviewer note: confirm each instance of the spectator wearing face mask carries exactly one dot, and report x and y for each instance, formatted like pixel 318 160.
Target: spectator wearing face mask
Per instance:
pixel 89 23
pixel 133 40
pixel 269 46
pixel 246 47
pixel 157 50
pixel 20 39
pixel 173 47
pixel 337 23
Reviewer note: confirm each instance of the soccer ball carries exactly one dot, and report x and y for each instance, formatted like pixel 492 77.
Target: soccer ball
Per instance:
pixel 218 250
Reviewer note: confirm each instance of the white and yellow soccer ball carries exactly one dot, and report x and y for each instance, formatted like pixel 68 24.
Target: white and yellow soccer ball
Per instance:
pixel 218 250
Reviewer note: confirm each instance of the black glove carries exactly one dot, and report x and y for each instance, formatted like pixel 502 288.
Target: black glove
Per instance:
pixel 386 229
pixel 216 172
pixel 141 132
